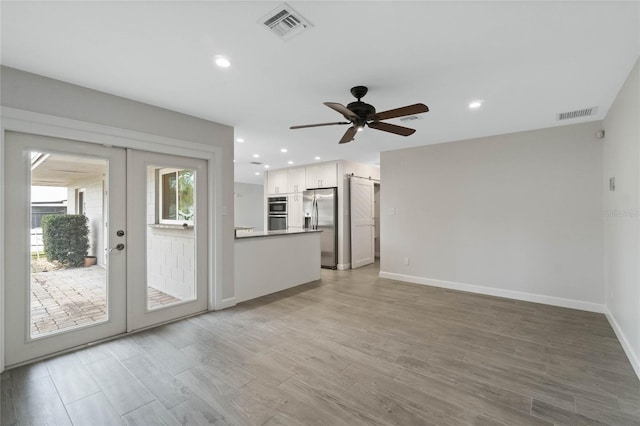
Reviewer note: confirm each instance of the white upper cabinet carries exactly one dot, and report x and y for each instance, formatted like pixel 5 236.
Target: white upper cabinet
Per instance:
pixel 277 182
pixel 296 179
pixel 322 176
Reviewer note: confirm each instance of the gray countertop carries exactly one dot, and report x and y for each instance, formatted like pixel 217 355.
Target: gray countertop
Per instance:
pixel 259 234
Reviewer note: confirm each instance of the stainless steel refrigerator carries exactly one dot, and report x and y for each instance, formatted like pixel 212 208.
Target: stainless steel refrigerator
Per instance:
pixel 320 207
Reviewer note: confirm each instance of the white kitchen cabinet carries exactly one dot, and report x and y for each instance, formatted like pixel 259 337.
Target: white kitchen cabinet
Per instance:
pixel 277 182
pixel 296 179
pixel 322 176
pixel 294 211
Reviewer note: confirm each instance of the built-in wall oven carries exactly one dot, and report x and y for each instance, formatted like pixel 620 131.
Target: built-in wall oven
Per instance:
pixel 277 214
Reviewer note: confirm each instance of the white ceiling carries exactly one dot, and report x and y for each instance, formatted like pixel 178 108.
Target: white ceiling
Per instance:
pixel 528 61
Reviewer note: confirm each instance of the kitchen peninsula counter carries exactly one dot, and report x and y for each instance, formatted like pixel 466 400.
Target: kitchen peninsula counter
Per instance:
pixel 270 261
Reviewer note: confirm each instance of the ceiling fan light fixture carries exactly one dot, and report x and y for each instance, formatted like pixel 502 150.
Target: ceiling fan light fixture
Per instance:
pixel 360 128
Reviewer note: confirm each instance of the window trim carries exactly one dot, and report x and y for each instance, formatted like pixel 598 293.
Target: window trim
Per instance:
pixel 167 171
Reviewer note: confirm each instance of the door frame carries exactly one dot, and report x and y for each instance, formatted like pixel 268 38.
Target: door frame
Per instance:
pixel 22 121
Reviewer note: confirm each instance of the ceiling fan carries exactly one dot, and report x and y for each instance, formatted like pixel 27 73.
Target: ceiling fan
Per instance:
pixel 361 114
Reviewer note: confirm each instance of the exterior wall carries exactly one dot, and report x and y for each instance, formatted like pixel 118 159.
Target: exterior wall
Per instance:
pixel 622 216
pixel 170 261
pixel 517 215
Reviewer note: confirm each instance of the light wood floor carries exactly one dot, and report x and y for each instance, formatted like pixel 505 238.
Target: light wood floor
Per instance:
pixel 350 349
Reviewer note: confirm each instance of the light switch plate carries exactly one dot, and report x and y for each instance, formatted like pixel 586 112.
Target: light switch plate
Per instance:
pixel 391 211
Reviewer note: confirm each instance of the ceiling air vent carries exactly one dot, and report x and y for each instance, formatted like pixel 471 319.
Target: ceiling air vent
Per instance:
pixel 576 114
pixel 411 118
pixel 257 163
pixel 285 22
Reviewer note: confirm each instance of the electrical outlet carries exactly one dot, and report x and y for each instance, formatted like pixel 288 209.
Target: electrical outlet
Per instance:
pixel 405 261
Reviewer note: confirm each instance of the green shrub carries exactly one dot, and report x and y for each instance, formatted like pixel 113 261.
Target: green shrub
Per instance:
pixel 66 238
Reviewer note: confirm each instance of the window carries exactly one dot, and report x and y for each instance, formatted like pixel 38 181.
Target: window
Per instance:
pixel 80 206
pixel 176 196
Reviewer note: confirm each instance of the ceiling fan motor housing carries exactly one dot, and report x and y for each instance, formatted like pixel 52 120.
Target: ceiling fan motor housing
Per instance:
pixel 361 109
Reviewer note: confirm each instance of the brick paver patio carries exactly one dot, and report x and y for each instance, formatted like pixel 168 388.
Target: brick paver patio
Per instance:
pixel 73 297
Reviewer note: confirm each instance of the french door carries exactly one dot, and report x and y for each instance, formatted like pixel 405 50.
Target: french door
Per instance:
pixel 100 241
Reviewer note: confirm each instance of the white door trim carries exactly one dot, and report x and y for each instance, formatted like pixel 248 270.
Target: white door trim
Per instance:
pixel 18 120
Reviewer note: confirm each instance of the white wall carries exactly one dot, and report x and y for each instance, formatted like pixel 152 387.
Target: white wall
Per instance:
pixel 517 215
pixel 249 205
pixel 622 216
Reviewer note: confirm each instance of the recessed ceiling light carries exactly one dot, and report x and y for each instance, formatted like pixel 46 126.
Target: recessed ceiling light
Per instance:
pixel 289 162
pixel 222 62
pixel 316 158
pixel 283 150
pixel 475 104
pixel 240 140
pixel 266 166
pixel 257 173
pixel 256 155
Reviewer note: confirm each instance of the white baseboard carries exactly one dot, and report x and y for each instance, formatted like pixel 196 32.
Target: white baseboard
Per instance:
pixel 499 292
pixel 343 266
pixel 226 303
pixel 633 357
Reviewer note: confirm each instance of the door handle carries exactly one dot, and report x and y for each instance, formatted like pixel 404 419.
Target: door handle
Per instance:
pixel 119 247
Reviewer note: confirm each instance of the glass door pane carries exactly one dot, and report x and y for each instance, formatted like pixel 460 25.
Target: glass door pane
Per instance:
pixel 68 276
pixel 171 238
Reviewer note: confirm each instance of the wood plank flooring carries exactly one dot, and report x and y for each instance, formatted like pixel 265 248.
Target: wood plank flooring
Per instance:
pixel 349 349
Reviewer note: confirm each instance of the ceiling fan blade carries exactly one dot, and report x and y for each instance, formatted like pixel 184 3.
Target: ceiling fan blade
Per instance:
pixel 304 126
pixel 400 112
pixel 348 114
pixel 348 135
pixel 391 128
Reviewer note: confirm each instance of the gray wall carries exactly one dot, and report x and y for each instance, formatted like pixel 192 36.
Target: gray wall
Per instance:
pixel 43 95
pixel 622 215
pixel 518 213
pixel 249 205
